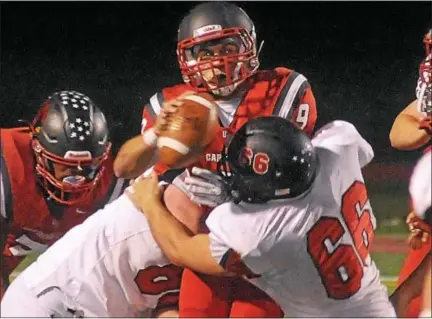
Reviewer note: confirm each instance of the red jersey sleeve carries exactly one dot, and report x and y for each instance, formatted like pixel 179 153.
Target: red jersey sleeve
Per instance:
pixel 151 111
pixel 296 102
pixel 305 114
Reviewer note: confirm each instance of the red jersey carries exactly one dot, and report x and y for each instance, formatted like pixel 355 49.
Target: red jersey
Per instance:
pixel 279 92
pixel 30 222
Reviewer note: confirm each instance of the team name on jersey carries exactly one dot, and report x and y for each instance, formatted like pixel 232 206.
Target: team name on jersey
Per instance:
pixel 213 157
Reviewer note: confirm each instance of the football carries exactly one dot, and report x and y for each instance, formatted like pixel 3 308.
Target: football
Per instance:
pixel 188 131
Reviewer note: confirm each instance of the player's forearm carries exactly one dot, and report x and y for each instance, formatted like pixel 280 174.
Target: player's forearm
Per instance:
pixel 180 246
pixel 134 158
pixel 405 134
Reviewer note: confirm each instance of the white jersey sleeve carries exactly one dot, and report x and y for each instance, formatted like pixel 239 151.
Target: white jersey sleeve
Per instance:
pixel 420 185
pixel 233 229
pixel 224 236
pixel 342 137
pixel 227 232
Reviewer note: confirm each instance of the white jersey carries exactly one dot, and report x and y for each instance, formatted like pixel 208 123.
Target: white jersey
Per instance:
pixel 109 266
pixel 312 252
pixel 421 184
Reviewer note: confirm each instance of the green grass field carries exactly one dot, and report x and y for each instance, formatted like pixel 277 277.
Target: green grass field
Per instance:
pixel 389 266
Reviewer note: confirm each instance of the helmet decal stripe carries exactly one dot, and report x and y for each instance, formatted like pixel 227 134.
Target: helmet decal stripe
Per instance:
pixel 288 100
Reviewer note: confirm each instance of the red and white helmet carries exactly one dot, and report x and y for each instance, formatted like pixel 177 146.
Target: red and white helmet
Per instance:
pixel 210 23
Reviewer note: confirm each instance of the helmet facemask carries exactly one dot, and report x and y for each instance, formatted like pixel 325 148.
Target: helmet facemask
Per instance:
pixel 221 73
pixel 84 173
pixel 79 171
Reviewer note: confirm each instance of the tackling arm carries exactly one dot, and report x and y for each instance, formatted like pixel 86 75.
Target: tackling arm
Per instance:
pixel 181 247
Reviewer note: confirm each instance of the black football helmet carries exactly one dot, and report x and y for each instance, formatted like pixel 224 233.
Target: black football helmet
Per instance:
pixel 212 23
pixel 268 158
pixel 71 132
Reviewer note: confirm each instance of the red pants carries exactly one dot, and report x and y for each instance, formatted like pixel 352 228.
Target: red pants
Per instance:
pixel 413 260
pixel 223 297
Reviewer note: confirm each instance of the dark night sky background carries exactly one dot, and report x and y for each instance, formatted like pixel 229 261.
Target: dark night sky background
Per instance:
pixel 361 58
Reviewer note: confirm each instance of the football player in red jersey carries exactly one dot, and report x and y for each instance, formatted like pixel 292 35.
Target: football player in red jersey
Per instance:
pixel 54 173
pixel 217 52
pixel 411 130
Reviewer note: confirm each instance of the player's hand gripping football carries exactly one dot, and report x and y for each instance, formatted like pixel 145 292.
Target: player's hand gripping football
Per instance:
pixel 420 231
pixel 168 109
pixel 203 187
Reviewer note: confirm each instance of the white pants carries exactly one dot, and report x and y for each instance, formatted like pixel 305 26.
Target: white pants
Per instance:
pixel 20 301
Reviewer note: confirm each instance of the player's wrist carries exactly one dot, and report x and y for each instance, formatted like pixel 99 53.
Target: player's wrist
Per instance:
pixel 150 138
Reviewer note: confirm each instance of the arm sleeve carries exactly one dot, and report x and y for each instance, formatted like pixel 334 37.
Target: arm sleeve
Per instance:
pixel 343 139
pixel 151 111
pixel 305 114
pixel 230 238
pixel 296 102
